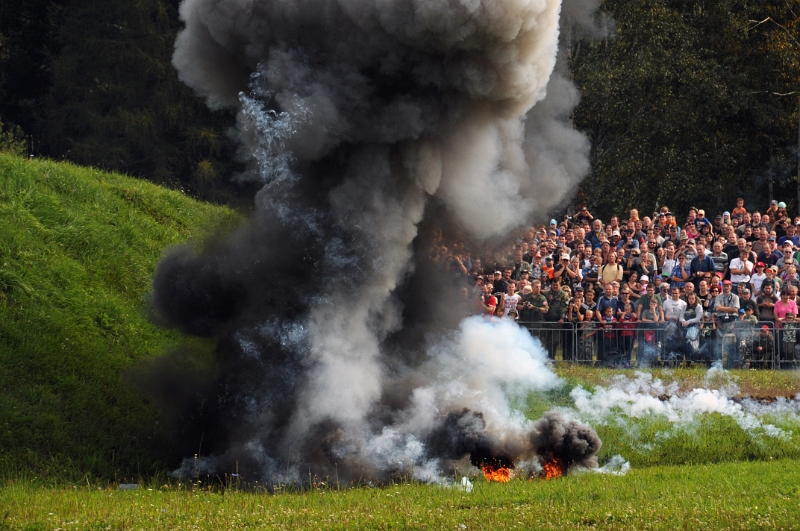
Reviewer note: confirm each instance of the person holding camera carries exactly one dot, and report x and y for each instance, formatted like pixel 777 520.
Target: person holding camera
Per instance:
pixel 726 306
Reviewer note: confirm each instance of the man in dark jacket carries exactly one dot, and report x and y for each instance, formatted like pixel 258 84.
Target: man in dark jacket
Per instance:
pixel 700 264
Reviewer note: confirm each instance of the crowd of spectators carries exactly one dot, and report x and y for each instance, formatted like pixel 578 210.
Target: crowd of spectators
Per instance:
pixel 702 274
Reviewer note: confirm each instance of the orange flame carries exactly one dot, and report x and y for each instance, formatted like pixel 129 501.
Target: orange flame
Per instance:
pixel 554 468
pixel 501 474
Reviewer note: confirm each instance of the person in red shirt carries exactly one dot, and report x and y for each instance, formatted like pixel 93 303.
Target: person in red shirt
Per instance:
pixel 627 325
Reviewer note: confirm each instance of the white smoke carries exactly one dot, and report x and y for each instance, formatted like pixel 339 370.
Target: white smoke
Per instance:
pixel 645 397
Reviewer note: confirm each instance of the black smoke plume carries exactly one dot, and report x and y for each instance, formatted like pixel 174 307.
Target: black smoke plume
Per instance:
pixel 367 124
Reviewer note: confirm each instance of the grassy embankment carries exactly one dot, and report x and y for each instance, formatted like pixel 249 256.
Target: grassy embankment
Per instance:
pixel 77 252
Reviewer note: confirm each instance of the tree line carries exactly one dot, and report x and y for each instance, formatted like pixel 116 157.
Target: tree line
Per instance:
pixel 685 102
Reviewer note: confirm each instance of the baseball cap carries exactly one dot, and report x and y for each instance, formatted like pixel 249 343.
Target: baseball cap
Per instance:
pixel 781 205
pixel 726 213
pixel 761 264
pixel 565 256
pixel 553 222
pixel 741 310
pixel 771 239
pixel 644 278
pixel 727 282
pixel 684 236
pixel 773 202
pixel 765 327
pixel 615 233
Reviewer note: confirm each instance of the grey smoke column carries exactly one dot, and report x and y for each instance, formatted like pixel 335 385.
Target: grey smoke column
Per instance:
pixel 352 114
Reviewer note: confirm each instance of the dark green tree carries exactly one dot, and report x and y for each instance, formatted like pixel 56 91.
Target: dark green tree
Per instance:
pixel 116 101
pixel 676 104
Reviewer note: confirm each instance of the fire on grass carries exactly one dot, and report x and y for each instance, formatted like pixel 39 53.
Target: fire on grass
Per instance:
pixel 551 469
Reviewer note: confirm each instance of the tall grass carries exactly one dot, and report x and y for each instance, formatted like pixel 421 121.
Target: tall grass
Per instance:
pixel 77 252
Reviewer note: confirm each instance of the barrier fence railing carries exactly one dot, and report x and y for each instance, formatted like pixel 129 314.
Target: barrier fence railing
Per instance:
pixel 737 344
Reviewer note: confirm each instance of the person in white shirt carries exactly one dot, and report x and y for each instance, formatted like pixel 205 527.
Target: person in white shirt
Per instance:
pixel 757 278
pixel 740 271
pixel 674 307
pixel 510 299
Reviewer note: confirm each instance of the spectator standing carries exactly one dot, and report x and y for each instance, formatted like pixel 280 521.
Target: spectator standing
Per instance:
pixel 627 332
pixel 680 273
pixel 500 286
pixel 670 261
pixel 557 302
pixel 692 316
pixel 740 271
pixel 745 301
pixel 520 265
pixel 700 265
pixel 757 278
pixel 510 299
pixel 674 306
pixel 766 303
pixel 533 305
pixel 726 304
pixel 611 271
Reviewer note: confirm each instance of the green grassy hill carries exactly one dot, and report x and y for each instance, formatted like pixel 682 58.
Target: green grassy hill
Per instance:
pixel 77 251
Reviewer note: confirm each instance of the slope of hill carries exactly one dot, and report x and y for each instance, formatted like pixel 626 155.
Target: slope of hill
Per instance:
pixel 77 251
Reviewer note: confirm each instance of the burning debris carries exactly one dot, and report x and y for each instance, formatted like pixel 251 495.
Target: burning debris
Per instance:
pixel 558 443
pixel 367 123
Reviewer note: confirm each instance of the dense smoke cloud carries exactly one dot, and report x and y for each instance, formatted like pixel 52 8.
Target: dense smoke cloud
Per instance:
pixel 362 120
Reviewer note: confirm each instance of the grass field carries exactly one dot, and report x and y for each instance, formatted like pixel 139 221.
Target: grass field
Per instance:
pixel 77 252
pixel 756 495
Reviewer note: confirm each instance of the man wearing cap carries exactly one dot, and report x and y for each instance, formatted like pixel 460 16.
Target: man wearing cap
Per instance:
pixel 772 210
pixel 499 286
pixel 554 227
pixel 781 214
pixel 746 301
pixel 717 224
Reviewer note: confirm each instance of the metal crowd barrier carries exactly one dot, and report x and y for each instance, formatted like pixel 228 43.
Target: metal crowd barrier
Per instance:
pixel 737 344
